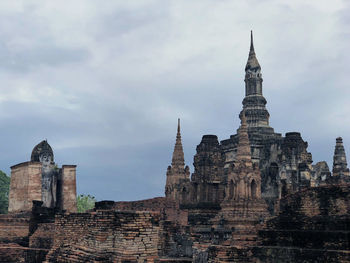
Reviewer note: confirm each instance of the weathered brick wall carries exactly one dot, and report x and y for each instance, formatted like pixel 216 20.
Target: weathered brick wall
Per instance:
pixel 14 228
pixel 176 241
pixel 14 239
pixel 156 204
pixel 313 226
pixel 25 186
pixel 325 200
pixel 43 236
pixel 68 188
pixel 106 236
pixel 167 208
pixel 13 253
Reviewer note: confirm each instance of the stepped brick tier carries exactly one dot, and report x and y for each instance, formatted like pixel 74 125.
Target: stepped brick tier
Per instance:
pixel 313 226
pixel 106 236
pixel 255 197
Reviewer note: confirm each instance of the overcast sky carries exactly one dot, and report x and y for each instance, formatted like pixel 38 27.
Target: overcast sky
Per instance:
pixel 105 81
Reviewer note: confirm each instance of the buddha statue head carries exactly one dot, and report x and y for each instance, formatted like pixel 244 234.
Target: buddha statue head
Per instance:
pixel 42 153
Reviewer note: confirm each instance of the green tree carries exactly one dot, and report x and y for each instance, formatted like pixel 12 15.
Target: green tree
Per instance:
pixel 85 202
pixel 4 192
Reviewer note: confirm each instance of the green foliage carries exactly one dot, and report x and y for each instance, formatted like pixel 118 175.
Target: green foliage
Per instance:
pixel 4 192
pixel 85 202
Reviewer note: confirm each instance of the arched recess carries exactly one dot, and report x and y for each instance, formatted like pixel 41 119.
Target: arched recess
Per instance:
pixel 253 189
pixel 203 192
pixel 184 195
pixel 167 190
pixel 270 182
pixel 194 193
pixel 273 171
pixel 284 190
pixel 231 193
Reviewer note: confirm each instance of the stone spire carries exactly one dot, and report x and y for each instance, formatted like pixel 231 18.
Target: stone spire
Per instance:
pixel 177 174
pixel 254 101
pixel 243 147
pixel 339 159
pixel 252 63
pixel 178 154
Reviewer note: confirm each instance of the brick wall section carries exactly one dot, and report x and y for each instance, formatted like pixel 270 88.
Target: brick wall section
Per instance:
pixel 325 200
pixel 106 236
pixel 14 239
pixel 69 189
pixel 14 228
pixel 156 204
pixel 314 226
pixel 25 186
pixel 167 208
pixel 176 242
pixel 13 253
pixel 43 236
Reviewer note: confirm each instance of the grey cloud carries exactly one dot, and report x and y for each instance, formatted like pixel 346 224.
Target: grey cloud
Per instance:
pixel 25 60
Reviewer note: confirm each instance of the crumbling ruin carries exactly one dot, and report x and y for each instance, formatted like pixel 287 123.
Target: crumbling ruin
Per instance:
pixel 39 190
pixel 41 180
pixel 255 197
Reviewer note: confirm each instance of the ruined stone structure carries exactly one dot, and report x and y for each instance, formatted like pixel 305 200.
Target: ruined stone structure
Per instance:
pixel 340 166
pixel 41 180
pixel 284 162
pixel 255 197
pixel 177 174
pixel 243 179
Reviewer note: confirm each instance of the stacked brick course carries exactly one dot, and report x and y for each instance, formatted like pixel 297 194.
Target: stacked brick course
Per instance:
pixel 313 226
pixel 16 238
pixel 168 208
pixel 14 228
pixel 106 236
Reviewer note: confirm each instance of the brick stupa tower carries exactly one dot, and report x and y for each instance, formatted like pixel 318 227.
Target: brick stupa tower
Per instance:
pixel 254 101
pixel 284 161
pixel 177 172
pixel 244 180
pixel 243 207
pixel 340 166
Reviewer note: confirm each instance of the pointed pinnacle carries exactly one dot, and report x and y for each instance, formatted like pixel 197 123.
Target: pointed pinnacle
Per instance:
pixel 251 41
pixel 178 154
pixel 243 147
pixel 252 63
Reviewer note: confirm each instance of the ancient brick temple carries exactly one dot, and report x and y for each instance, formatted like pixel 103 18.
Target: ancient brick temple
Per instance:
pixel 38 191
pixel 255 197
pixel 41 180
pixel 284 163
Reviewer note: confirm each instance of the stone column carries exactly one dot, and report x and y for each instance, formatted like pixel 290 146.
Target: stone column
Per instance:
pixel 25 186
pixel 69 189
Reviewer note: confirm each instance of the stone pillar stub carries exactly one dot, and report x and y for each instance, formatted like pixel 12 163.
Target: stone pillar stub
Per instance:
pixel 69 189
pixel 25 186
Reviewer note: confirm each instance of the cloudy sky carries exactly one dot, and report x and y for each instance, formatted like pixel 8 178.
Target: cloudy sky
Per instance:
pixel 105 81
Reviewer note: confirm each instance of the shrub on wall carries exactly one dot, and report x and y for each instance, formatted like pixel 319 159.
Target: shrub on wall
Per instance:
pixel 85 202
pixel 4 192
